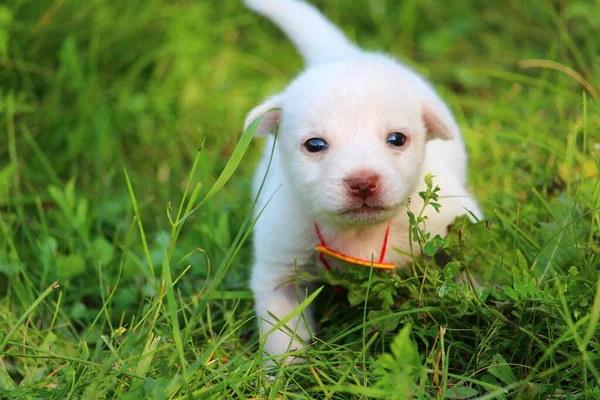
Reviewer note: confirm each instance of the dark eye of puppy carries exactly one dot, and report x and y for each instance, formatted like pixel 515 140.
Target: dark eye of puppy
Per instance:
pixel 396 139
pixel 315 145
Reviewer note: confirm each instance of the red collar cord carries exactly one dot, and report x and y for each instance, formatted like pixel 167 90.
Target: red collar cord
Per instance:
pixel 323 250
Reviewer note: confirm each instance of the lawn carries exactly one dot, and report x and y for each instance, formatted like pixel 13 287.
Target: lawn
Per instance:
pixel 125 248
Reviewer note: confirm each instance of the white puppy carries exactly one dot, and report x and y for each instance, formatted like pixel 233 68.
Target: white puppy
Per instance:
pixel 357 132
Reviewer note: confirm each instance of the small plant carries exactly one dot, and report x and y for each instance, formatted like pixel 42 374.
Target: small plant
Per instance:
pixel 418 224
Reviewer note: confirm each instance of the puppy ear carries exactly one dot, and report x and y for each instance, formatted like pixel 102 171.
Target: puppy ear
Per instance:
pixel 439 122
pixel 270 111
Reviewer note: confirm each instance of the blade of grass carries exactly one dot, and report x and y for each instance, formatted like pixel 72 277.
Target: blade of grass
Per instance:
pixel 172 312
pixel 241 236
pixel 234 160
pixel 138 217
pixel 23 317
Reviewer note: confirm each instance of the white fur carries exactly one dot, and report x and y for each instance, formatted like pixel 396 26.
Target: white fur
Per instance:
pixel 353 100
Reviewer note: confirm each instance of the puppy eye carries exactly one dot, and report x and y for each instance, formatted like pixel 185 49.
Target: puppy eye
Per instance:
pixel 315 145
pixel 397 139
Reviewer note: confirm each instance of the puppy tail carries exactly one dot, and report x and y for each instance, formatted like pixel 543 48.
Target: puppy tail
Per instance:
pixel 316 38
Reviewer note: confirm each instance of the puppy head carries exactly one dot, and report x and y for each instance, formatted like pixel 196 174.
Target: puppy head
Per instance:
pixel 352 137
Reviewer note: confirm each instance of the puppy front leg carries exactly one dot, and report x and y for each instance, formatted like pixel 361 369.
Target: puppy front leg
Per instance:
pixel 274 301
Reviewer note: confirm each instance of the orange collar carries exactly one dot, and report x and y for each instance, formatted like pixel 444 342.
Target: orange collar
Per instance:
pixel 322 249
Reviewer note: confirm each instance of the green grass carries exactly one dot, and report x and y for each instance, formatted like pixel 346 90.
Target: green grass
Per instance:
pixel 103 107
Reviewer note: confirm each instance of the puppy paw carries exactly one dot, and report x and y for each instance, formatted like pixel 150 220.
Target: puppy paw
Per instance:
pixel 282 349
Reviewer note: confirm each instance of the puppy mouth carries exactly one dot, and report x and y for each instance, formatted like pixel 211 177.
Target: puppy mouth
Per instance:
pixel 365 208
pixel 365 211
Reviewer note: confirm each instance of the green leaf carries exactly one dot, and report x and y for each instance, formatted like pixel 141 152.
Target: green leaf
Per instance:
pixel 234 160
pixel 461 392
pixel 6 19
pixel 402 366
pixel 532 288
pixel 6 176
pixel 145 360
pixel 492 385
pixel 519 282
pixel 356 297
pixel 445 289
pixel 510 292
pixel 78 311
pixel 430 248
pixel 522 262
pixel 103 250
pixel 411 218
pixel 388 323
pixel 69 266
pixel 450 271
pixel 501 370
pixel 59 198
pixel 81 213
pixel 69 193
pixel 83 348
pixel 483 293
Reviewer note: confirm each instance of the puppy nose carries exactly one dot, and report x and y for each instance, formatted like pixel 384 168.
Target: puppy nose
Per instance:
pixel 363 184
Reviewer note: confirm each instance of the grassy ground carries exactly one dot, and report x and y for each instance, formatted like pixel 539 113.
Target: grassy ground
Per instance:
pixel 103 107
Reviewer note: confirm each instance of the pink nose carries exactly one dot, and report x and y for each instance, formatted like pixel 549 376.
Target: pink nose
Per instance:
pixel 363 184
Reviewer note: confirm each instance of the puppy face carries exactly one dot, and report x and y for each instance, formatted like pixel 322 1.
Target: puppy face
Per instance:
pixel 352 140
